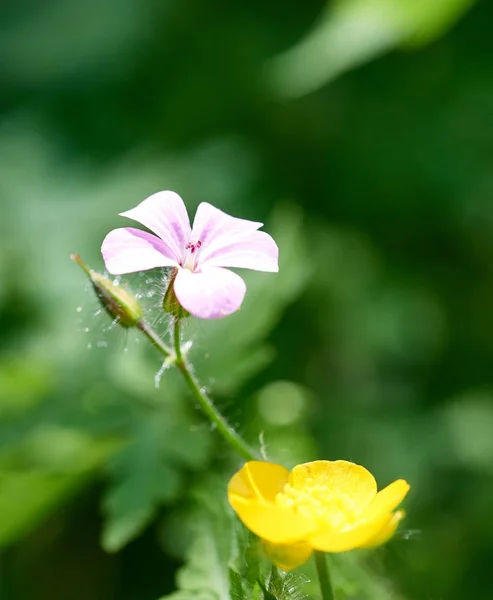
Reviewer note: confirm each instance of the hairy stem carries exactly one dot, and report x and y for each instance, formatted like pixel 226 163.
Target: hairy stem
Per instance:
pixel 327 593
pixel 177 339
pixel 232 437
pixel 155 339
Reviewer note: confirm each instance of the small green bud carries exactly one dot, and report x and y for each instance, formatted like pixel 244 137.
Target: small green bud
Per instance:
pixel 117 302
pixel 170 301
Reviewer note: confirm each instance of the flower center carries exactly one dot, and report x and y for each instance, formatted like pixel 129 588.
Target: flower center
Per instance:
pixel 191 256
pixel 330 507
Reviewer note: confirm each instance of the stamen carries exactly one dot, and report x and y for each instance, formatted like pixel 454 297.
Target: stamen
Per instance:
pixel 332 507
pixel 191 256
pixel 193 246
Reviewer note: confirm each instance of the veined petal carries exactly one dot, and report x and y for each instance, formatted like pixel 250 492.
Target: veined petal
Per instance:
pixel 210 293
pixel 340 476
pixel 212 225
pixel 128 250
pixel 275 524
pixel 166 215
pixel 254 250
pixel 252 493
pixel 377 525
pixel 259 480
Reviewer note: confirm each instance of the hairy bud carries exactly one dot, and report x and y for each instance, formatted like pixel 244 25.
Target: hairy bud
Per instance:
pixel 117 302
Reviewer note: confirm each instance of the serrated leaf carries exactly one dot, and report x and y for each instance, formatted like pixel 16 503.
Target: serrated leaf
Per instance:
pixel 147 473
pixel 236 587
pixel 206 573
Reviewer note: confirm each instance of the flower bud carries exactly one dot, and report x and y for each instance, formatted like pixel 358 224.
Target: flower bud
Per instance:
pixel 170 301
pixel 117 302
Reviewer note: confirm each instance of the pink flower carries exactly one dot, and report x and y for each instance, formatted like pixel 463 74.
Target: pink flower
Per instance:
pixel 216 240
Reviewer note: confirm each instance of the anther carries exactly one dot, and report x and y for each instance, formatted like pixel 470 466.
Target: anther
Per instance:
pixel 193 246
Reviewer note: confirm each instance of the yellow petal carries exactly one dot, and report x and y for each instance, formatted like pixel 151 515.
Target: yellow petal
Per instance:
pixel 287 556
pixel 387 530
pixel 252 493
pixel 257 479
pixel 375 528
pixel 357 536
pixel 388 499
pixel 339 476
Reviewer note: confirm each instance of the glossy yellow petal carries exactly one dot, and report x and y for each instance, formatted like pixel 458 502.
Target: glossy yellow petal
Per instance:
pixel 287 556
pixel 387 530
pixel 376 527
pixel 331 506
pixel 257 479
pixel 388 499
pixel 331 540
pixel 270 522
pixel 340 477
pixel 252 493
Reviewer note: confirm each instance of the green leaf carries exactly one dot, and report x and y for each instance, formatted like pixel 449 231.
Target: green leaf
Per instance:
pixel 237 589
pixel 266 593
pixel 257 592
pixel 29 496
pixel 209 572
pixel 252 559
pixel 148 472
pixel 206 573
pixel 23 384
pixel 356 31
pixel 26 498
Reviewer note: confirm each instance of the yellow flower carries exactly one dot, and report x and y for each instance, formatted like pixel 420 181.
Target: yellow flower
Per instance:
pixel 332 506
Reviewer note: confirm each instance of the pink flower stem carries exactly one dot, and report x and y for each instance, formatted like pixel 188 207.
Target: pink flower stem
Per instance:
pixel 154 339
pixel 177 339
pixel 230 435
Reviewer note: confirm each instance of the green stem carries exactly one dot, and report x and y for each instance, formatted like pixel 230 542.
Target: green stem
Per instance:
pixel 323 576
pixel 176 339
pixel 232 437
pixel 229 434
pixel 155 339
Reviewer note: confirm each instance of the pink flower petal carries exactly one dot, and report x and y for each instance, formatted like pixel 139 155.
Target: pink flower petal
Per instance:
pixel 211 225
pixel 166 215
pixel 210 293
pixel 129 250
pixel 255 250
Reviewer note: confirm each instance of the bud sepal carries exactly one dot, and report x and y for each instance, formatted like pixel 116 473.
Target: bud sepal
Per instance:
pixel 116 301
pixel 170 301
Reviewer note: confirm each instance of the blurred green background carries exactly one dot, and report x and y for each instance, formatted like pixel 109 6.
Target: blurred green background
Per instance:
pixel 361 132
